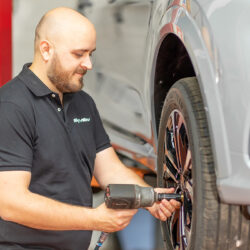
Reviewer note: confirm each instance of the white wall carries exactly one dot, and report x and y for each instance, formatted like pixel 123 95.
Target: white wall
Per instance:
pixel 26 15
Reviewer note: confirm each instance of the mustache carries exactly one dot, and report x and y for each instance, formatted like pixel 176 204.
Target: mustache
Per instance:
pixel 81 71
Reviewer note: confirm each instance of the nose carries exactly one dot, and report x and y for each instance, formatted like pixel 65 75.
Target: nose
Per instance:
pixel 86 63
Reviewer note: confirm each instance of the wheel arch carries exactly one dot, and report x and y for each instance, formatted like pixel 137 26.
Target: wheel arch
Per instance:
pixel 172 64
pixel 185 49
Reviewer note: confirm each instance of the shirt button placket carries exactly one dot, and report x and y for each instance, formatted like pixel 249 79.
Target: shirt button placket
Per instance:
pixel 58 108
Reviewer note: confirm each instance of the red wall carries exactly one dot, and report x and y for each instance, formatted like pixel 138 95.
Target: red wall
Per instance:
pixel 5 41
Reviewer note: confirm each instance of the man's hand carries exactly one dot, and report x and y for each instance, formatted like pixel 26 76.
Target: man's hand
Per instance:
pixel 112 220
pixel 164 209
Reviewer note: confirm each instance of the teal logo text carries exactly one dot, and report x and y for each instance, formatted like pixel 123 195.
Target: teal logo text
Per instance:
pixel 81 120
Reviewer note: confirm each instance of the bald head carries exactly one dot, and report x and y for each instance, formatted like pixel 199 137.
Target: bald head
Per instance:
pixel 64 43
pixel 60 24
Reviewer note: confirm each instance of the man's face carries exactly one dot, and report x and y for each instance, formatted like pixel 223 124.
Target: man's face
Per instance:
pixel 68 79
pixel 71 60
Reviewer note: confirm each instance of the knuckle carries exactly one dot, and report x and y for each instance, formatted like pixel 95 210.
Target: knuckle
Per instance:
pixel 171 209
pixel 120 223
pixel 163 217
pixel 168 213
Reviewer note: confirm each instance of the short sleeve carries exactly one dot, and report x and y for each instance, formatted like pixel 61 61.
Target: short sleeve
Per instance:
pixel 101 138
pixel 16 137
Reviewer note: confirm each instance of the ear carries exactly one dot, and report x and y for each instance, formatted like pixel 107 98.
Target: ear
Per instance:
pixel 46 50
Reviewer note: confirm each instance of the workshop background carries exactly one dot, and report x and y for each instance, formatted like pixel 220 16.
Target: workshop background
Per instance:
pixel 18 19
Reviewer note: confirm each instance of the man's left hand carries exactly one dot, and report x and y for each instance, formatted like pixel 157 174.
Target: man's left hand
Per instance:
pixel 164 209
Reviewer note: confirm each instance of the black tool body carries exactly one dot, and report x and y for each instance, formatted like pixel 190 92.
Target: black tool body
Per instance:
pixel 129 196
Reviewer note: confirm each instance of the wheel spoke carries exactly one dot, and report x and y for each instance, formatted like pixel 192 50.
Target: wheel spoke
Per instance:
pixel 181 142
pixel 183 238
pixel 188 163
pixel 171 159
pixel 171 165
pixel 176 121
pixel 174 220
pixel 170 149
pixel 189 189
pixel 180 139
pixel 171 170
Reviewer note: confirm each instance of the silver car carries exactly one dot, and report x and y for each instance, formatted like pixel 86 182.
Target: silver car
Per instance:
pixel 171 81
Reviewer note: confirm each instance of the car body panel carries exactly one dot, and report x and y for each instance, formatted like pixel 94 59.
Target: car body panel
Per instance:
pixel 122 82
pixel 229 25
pixel 128 124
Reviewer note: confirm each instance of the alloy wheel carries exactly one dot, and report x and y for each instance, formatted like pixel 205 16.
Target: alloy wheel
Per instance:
pixel 177 172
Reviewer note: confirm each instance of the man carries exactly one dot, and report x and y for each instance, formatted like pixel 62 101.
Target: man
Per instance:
pixel 51 143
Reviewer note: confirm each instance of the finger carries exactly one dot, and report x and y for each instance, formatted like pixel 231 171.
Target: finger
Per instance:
pixel 164 190
pixel 162 216
pixel 168 205
pixel 165 210
pixel 175 203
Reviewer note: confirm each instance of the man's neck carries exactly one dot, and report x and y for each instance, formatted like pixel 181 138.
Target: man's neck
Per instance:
pixel 43 77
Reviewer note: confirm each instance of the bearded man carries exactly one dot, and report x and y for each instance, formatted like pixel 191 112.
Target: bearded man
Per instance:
pixel 52 142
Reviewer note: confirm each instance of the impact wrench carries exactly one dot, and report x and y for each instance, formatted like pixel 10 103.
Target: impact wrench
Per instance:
pixel 129 196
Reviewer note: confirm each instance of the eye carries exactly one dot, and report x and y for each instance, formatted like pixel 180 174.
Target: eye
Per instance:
pixel 78 55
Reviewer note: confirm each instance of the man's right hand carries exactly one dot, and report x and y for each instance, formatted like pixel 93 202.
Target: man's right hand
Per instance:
pixel 112 220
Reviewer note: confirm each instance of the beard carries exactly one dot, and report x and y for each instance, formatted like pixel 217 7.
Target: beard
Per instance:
pixel 62 79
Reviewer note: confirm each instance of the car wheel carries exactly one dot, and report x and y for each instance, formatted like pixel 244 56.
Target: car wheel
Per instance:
pixel 185 162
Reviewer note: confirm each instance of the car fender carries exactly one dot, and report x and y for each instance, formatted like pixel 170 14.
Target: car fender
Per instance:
pixel 199 44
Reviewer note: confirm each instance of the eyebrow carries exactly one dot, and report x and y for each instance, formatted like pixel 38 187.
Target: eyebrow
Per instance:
pixel 82 50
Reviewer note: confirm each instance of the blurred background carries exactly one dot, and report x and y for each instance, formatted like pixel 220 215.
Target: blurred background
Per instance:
pixel 17 23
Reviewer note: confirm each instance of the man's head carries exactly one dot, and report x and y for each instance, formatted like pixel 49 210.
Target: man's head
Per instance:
pixel 64 42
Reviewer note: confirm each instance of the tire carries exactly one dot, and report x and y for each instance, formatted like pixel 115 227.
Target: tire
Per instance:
pixel 185 162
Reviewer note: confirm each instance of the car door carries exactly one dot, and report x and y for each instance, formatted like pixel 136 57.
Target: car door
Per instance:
pixel 117 80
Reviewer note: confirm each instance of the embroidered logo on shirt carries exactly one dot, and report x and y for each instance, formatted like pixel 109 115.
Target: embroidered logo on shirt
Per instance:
pixel 81 120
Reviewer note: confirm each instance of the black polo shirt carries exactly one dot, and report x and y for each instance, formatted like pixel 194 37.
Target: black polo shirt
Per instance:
pixel 57 144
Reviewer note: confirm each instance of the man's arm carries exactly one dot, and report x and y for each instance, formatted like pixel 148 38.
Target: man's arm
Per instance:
pixel 18 204
pixel 110 170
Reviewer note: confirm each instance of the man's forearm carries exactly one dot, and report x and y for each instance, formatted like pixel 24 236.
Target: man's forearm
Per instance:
pixel 40 212
pixel 110 170
pixel 122 175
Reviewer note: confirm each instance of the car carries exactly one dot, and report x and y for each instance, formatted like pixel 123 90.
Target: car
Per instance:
pixel 171 81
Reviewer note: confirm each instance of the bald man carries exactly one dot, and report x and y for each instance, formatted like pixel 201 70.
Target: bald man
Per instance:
pixel 52 142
